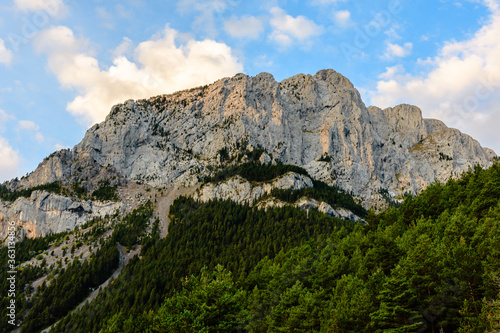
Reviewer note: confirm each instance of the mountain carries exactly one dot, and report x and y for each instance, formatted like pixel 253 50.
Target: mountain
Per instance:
pixel 316 122
pixel 275 181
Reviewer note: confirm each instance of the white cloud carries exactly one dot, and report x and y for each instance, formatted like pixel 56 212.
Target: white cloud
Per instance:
pixel 396 50
pixel 244 27
pixel 59 146
pixel 4 117
pixel 9 161
pixel 342 18
pixel 32 128
pixel 160 66
pixel 460 86
pixel 55 8
pixel 39 137
pixel 6 55
pixel 27 125
pixel 288 28
pixel 125 47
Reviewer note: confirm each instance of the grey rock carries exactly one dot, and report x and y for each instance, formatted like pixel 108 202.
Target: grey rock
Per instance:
pixel 177 139
pixel 241 190
pixel 45 213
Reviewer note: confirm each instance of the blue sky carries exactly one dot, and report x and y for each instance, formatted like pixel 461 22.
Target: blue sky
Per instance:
pixel 64 63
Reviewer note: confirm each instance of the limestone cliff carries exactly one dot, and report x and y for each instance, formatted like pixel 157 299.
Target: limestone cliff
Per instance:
pixel 45 213
pixel 318 122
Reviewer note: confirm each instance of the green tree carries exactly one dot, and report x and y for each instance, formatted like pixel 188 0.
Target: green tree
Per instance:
pixel 210 302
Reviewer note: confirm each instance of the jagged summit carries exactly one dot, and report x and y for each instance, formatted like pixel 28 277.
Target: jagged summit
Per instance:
pixel 318 122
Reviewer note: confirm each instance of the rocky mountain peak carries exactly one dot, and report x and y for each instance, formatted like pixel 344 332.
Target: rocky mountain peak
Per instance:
pixel 318 122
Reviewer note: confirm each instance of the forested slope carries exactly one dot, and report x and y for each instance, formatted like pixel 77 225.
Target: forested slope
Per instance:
pixel 432 263
pixel 428 265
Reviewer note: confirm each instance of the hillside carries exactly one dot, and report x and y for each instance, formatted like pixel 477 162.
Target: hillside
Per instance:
pixel 260 206
pixel 430 264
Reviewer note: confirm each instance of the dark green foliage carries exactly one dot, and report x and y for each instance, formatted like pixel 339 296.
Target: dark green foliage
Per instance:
pixel 9 195
pixel 387 197
pixel 208 303
pixel 255 171
pixel 130 231
pixel 27 248
pixel 475 193
pixel 200 234
pixel 223 155
pixel 322 192
pixel 78 189
pixel 105 192
pixel 430 265
pixel 251 156
pixel 24 277
pixel 70 287
pixel 444 157
pixel 325 158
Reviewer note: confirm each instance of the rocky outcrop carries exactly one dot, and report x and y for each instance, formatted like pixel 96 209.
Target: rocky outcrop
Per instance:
pixel 308 203
pixel 241 190
pixel 318 122
pixel 342 213
pixel 45 213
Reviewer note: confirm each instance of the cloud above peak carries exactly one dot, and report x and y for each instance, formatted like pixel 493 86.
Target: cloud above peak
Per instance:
pixel 160 65
pixel 55 8
pixel 6 55
pixel 288 29
pixel 460 86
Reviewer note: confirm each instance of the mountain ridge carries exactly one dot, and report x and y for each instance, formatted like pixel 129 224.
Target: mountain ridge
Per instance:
pixel 317 122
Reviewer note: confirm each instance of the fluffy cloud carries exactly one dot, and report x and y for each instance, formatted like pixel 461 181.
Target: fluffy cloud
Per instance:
pixel 32 128
pixel 55 8
pixel 27 125
pixel 5 54
pixel 342 18
pixel 460 86
pixel 9 158
pixel 396 50
pixel 244 27
pixel 288 28
pixel 9 161
pixel 160 66
pixel 4 117
pixel 59 146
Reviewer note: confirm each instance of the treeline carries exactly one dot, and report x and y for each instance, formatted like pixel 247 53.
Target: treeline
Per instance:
pixel 258 172
pixel 66 287
pixel 23 279
pixel 321 191
pixel 103 192
pixel 70 287
pixel 430 265
pixel 200 234
pixel 7 194
pixel 255 171
pixel 75 282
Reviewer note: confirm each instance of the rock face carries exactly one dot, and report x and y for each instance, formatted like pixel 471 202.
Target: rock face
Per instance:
pixel 45 213
pixel 308 203
pixel 318 122
pixel 242 191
